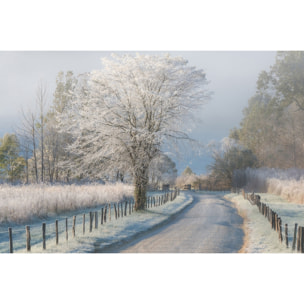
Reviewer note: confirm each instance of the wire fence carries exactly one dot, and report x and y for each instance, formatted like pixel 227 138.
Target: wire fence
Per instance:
pixel 295 239
pixel 17 238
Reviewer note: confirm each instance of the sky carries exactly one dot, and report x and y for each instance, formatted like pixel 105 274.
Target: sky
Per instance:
pixel 231 75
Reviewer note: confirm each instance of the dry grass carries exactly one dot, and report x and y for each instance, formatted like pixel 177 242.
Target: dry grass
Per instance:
pixel 288 183
pixel 22 203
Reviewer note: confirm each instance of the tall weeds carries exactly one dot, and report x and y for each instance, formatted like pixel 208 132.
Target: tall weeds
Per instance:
pixel 287 183
pixel 22 203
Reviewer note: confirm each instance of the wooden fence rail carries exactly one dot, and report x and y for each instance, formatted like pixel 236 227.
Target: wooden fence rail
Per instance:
pixel 120 210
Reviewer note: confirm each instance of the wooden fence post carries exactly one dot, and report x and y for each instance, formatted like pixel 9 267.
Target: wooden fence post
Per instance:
pixel 109 212
pixel 10 236
pixel 130 207
pixel 66 229
pixel 105 214
pixel 294 237
pixel 83 223
pixel 56 228
pixel 302 239
pixel 91 221
pixel 259 206
pixel 299 238
pixel 270 217
pixel 74 226
pixel 280 230
pixel 266 210
pixel 96 220
pixel 286 235
pixel 43 236
pixel 126 205
pixel 101 217
pixel 121 206
pixel 28 238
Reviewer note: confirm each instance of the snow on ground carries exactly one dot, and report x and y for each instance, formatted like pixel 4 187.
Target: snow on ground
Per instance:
pixel 106 234
pixel 260 236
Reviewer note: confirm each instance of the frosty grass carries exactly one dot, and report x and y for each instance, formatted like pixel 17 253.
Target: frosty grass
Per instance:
pixel 106 234
pixel 261 237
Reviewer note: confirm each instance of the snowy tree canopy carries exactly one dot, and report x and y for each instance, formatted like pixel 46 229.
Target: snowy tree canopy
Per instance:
pixel 121 115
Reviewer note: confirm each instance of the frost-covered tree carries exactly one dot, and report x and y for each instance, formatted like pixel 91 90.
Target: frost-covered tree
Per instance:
pixel 122 114
pixel 41 99
pixel 187 171
pixel 56 141
pixel 162 170
pixel 28 136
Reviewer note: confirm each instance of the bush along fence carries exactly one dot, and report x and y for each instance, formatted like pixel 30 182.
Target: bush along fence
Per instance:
pixel 95 219
pixel 277 224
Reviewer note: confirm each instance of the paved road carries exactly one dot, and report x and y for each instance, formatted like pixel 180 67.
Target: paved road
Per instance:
pixel 209 225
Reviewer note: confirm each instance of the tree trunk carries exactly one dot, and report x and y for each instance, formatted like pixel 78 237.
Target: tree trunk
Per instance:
pixel 140 189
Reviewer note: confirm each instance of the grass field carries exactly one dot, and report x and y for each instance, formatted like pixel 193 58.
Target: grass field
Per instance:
pixel 21 204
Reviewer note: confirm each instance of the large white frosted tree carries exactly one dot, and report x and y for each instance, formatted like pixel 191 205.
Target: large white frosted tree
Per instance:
pixel 122 114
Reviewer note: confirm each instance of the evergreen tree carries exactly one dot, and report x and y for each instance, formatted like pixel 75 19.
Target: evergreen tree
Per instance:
pixel 11 164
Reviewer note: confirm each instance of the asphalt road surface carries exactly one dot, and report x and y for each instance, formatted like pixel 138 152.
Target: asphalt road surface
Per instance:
pixel 209 225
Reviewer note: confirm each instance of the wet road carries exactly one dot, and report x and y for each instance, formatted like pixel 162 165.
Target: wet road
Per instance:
pixel 210 225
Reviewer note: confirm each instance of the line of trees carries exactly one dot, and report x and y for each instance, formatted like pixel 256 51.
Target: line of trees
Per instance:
pixel 37 151
pixel 271 131
pixel 273 122
pixel 38 146
pixel 41 144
